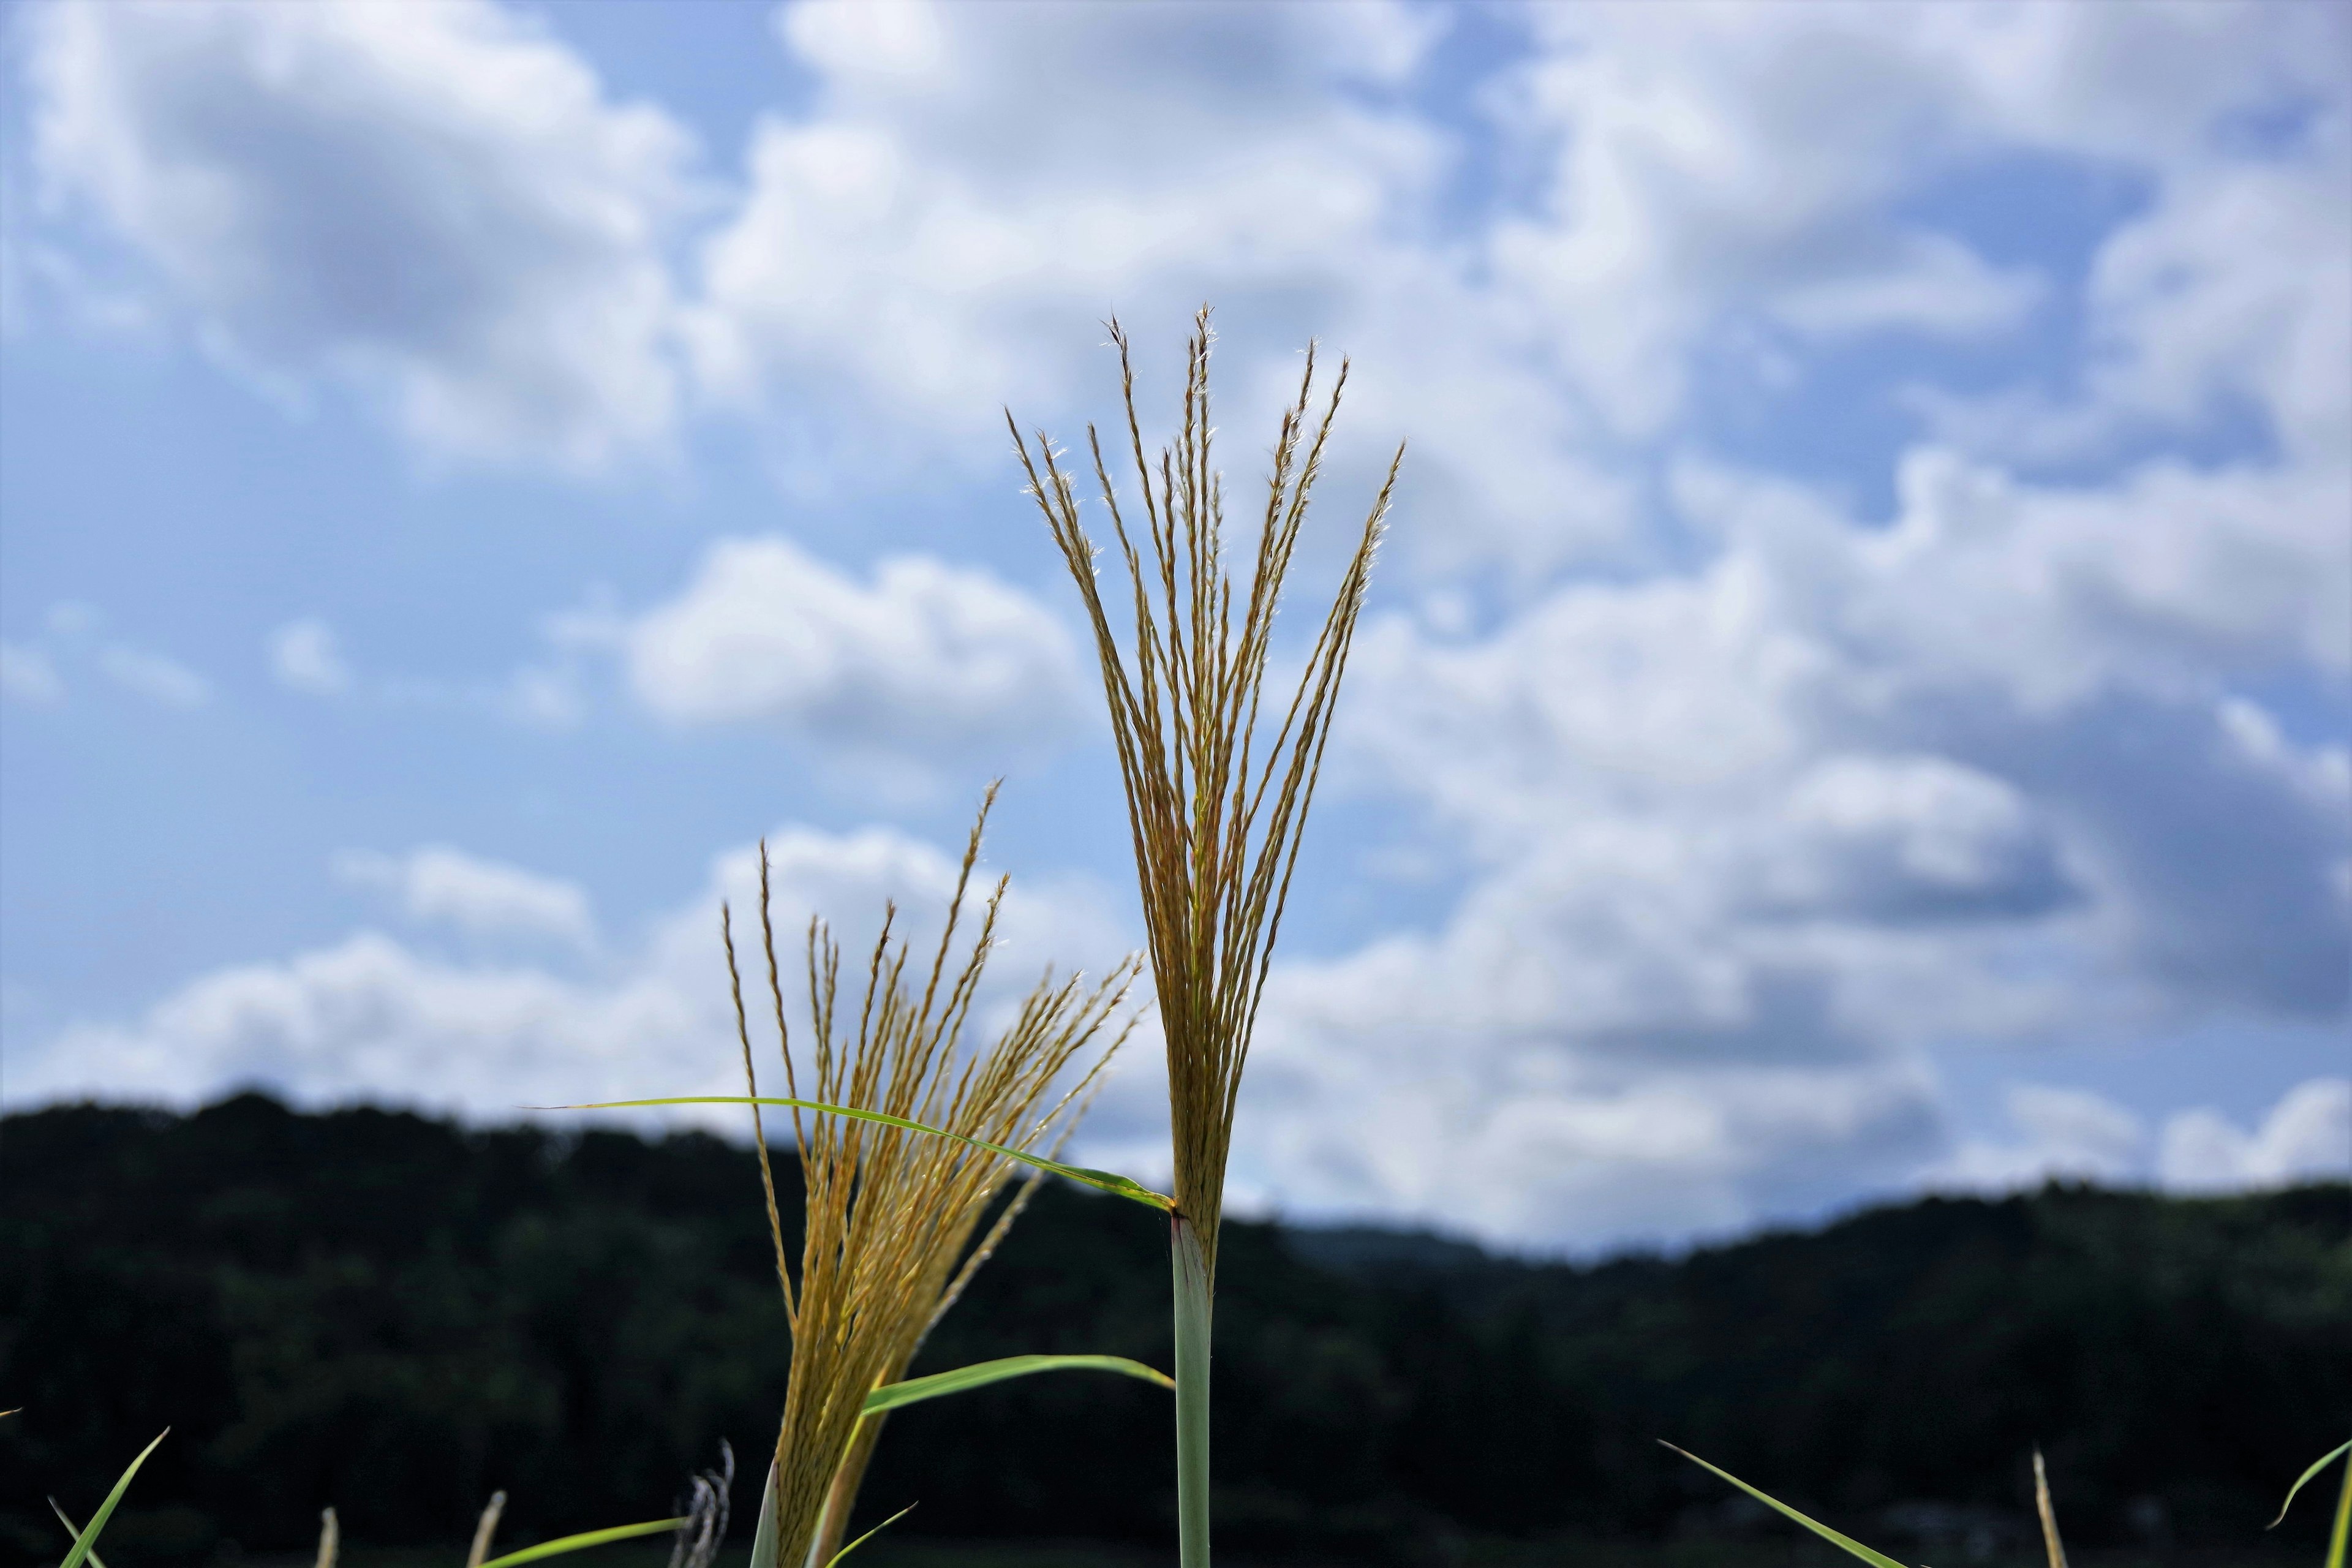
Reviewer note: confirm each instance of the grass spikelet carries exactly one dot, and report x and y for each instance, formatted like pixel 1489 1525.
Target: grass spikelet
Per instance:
pixel 1214 805
pixel 891 1213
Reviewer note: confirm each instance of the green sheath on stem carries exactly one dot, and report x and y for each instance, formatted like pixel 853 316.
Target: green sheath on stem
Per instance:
pixel 1189 1271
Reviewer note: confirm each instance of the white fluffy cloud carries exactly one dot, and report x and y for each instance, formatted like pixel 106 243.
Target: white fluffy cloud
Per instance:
pixel 483 897
pixel 968 177
pixel 924 655
pixel 2306 1135
pixel 2075 1134
pixel 1744 844
pixel 2062 1134
pixel 1750 802
pixel 370 1015
pixel 1714 160
pixel 436 202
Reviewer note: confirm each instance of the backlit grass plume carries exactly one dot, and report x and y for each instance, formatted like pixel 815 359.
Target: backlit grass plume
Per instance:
pixel 891 1212
pixel 1215 805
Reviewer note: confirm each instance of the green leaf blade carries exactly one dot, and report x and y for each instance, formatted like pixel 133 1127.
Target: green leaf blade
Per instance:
pixel 89 1537
pixel 584 1541
pixel 2317 1465
pixel 765 1549
pixel 979 1374
pixel 73 1532
pixel 871 1534
pixel 1104 1181
pixel 1847 1542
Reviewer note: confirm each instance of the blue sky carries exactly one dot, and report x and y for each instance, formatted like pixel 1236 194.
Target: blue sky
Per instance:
pixel 1856 698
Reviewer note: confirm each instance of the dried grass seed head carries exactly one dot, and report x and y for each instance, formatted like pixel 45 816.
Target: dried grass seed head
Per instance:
pixel 890 1213
pixel 1214 809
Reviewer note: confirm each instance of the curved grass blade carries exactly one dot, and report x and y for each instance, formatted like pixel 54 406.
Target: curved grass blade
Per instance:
pixel 1878 1559
pixel 2317 1465
pixel 582 1541
pixel 764 1550
pixel 73 1532
pixel 871 1534
pixel 979 1374
pixel 82 1543
pixel 1118 1185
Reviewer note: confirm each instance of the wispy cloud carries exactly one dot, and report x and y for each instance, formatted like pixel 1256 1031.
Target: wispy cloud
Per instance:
pixel 154 675
pixel 304 656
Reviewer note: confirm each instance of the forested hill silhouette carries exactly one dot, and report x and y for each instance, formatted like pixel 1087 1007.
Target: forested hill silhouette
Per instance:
pixel 394 1315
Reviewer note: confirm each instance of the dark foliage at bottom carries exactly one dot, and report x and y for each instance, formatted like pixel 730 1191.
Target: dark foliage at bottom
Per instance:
pixel 395 1316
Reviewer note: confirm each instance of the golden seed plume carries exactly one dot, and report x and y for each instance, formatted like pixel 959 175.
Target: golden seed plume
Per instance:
pixel 1215 817
pixel 890 1215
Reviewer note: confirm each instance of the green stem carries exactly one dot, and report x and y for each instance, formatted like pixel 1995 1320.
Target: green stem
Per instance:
pixel 1189 1273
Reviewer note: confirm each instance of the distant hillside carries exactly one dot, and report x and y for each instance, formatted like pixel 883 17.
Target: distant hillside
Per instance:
pixel 394 1315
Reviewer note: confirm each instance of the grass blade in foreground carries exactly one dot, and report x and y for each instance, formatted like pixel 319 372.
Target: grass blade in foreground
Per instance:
pixel 582 1541
pixel 2343 1527
pixel 870 1534
pixel 2317 1465
pixel 83 1543
pixel 1848 1542
pixel 979 1374
pixel 763 1534
pixel 73 1532
pixel 1109 1182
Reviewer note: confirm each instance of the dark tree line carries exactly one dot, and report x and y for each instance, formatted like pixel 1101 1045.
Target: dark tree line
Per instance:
pixel 395 1316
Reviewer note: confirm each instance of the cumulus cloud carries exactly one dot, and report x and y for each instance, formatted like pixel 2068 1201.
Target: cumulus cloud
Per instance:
pixel 305 657
pixel 931 238
pixel 924 655
pixel 370 1015
pixel 1752 800
pixel 2306 1136
pixel 483 897
pixel 1703 169
pixel 967 177
pixel 2062 1134
pixel 1744 844
pixel 437 203
pixel 2074 1134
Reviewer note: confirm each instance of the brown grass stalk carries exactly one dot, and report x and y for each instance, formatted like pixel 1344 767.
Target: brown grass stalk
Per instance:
pixel 1214 807
pixel 890 1215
